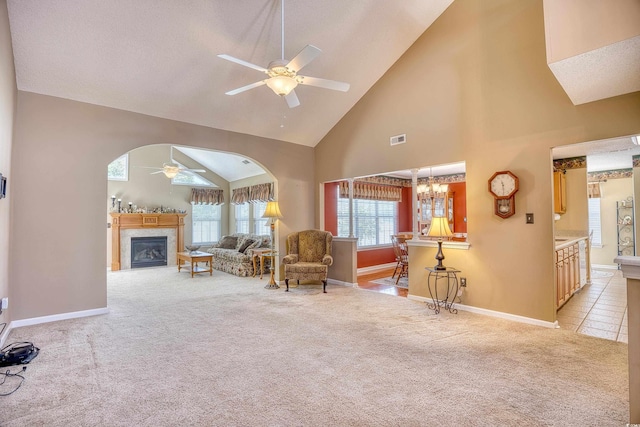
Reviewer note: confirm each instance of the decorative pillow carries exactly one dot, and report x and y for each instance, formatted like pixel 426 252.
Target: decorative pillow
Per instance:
pixel 245 244
pixel 254 245
pixel 228 242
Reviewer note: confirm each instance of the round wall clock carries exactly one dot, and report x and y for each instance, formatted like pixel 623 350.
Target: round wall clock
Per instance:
pixel 503 186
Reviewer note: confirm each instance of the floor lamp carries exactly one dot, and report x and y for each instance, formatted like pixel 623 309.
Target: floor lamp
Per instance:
pixel 440 228
pixel 272 211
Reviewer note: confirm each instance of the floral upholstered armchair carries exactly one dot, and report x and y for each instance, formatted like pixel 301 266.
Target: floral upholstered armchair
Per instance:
pixel 308 257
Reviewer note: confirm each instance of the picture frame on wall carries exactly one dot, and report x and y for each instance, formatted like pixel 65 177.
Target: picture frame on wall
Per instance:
pixel 3 186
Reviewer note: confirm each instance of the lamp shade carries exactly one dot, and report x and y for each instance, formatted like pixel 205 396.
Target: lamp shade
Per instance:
pixel 439 227
pixel 282 85
pixel 272 210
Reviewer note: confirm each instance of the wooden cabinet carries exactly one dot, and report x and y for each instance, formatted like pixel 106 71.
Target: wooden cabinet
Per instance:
pixel 559 192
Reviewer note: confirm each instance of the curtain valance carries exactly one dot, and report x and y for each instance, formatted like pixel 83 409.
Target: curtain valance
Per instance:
pixel 363 190
pixel 261 193
pixel 252 194
pixel 207 196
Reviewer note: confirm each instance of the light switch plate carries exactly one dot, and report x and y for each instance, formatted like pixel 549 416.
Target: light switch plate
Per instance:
pixel 529 218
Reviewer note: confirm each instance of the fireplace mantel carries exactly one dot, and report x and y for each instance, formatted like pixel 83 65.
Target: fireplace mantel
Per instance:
pixel 121 221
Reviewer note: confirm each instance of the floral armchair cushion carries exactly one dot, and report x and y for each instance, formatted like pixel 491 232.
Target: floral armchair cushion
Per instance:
pixel 308 256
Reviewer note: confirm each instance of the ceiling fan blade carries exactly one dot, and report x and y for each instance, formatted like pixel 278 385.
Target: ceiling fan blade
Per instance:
pixel 244 88
pixel 324 83
pixel 193 170
pixel 292 99
pixel 153 173
pixel 306 55
pixel 241 62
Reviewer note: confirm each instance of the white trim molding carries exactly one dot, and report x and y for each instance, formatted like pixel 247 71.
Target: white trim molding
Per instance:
pixel 492 313
pixel 341 283
pixel 57 317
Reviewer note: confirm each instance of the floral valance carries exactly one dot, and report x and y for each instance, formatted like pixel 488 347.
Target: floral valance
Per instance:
pixel 363 190
pixel 207 196
pixel 252 194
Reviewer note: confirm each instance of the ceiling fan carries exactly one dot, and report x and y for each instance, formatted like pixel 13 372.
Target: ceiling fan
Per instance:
pixel 171 169
pixel 283 74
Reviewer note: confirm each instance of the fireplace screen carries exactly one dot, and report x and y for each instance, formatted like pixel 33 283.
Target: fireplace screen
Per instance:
pixel 148 251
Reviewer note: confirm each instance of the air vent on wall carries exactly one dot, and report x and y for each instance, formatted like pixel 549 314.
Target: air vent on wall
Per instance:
pixel 398 139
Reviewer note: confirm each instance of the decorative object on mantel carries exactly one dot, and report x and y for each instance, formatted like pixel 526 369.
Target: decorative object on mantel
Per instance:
pixel 440 229
pixel 192 248
pixel 272 211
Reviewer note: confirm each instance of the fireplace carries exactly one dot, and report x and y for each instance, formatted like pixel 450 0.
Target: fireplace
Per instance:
pixel 148 251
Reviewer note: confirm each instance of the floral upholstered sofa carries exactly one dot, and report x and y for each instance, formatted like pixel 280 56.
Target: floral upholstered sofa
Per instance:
pixel 233 253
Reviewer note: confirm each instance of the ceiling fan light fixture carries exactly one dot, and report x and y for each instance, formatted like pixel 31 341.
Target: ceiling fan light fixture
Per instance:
pixel 282 85
pixel 170 171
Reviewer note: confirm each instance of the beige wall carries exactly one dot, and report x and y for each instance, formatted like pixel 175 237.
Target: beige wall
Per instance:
pixel 8 95
pixel 476 87
pixel 576 217
pixel 612 191
pixel 61 152
pixel 574 27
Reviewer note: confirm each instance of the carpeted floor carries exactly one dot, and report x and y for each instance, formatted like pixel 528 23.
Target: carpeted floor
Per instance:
pixel 224 351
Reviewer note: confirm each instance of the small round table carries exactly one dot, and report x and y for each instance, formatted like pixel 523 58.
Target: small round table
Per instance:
pixel 450 275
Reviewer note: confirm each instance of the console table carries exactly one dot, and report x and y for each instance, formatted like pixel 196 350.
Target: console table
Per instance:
pixel 448 275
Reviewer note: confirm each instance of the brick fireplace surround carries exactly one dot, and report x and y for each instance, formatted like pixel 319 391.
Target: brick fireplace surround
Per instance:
pixel 126 221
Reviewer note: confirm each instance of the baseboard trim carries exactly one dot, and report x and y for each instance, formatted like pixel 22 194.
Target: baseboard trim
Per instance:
pixel 57 317
pixel 375 268
pixel 492 313
pixel 341 283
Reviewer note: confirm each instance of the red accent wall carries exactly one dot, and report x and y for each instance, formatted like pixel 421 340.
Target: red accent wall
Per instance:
pixel 459 190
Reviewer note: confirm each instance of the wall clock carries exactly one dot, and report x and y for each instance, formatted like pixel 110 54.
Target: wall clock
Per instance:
pixel 503 186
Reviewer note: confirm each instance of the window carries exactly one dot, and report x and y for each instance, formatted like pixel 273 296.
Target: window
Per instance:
pixel 259 223
pixel 373 221
pixel 242 218
pixel 118 170
pixel 207 223
pixel 190 178
pixel 595 223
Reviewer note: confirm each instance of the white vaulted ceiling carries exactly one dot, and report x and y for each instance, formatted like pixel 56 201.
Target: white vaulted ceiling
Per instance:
pixel 159 57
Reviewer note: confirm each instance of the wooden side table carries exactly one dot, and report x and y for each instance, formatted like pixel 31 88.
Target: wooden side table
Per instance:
pixel 193 258
pixel 259 253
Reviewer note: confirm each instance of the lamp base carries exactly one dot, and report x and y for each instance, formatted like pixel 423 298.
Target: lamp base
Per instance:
pixel 439 257
pixel 272 283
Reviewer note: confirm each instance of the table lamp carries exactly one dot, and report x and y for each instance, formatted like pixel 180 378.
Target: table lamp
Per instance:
pixel 272 211
pixel 440 228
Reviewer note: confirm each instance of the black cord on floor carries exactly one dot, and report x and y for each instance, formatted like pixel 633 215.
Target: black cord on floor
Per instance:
pixel 8 374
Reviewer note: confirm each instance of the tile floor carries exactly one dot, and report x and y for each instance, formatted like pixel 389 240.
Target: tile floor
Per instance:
pixel 598 309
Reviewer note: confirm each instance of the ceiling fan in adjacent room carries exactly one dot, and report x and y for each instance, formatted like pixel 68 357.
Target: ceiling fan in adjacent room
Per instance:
pixel 171 169
pixel 283 74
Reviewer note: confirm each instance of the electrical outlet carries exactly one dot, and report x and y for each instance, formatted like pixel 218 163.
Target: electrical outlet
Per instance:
pixel 463 282
pixel 5 303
